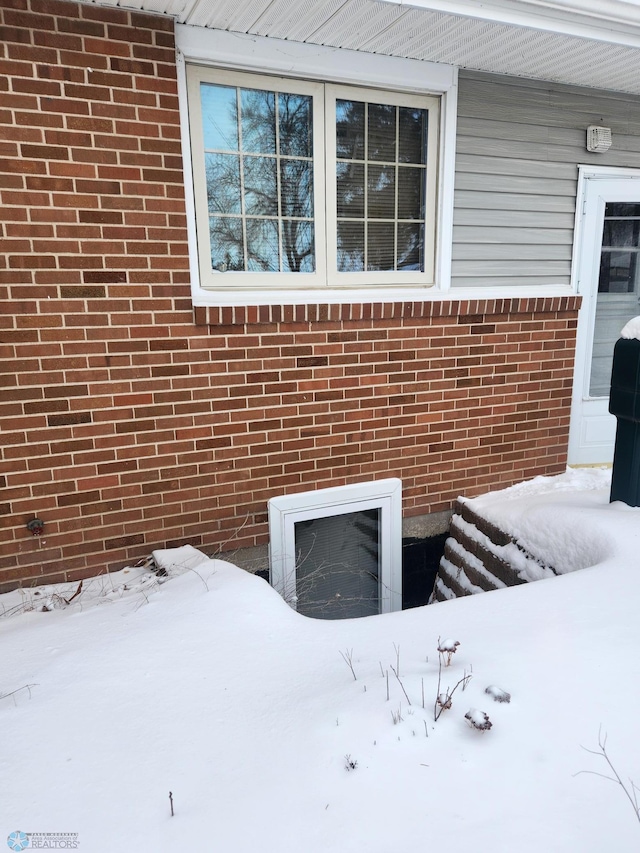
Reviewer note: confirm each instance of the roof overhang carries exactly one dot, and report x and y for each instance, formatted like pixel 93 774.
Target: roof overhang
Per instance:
pixel 593 43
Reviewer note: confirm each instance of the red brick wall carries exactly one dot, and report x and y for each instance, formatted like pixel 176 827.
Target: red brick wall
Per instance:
pixel 129 421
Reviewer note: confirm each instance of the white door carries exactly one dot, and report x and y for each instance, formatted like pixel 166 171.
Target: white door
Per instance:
pixel 608 275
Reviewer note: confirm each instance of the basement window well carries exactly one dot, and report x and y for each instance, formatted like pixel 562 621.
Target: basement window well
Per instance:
pixel 337 553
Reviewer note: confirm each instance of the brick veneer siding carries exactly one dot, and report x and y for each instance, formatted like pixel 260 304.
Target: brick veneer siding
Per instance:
pixel 131 421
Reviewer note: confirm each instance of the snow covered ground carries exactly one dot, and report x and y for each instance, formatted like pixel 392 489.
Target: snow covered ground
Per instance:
pixel 209 686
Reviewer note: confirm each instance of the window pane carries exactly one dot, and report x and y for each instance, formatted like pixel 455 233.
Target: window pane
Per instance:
pixel 381 198
pixel 381 188
pixel 262 245
pixel 350 189
pixel 350 130
pixel 296 188
pixel 380 246
pixel 410 246
pixel 267 185
pixel 219 117
pixel 298 252
pixel 260 187
pixel 618 269
pixel 617 272
pixel 411 193
pixel 223 183
pixel 350 247
pixel 227 253
pixel 296 126
pixel 620 233
pixel 412 135
pixel 258 121
pixel 337 574
pixel 619 208
pixel 382 132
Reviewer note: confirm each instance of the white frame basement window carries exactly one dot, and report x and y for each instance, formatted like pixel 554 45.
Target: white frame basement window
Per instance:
pixel 337 553
pixel 303 185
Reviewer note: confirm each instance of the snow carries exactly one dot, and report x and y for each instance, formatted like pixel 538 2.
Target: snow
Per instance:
pixel 206 684
pixel 632 330
pixel 563 521
pixel 526 568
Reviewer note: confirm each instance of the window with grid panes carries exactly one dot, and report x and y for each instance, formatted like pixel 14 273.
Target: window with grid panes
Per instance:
pixel 307 185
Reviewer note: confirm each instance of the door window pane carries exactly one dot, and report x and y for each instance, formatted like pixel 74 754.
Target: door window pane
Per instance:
pixel 618 291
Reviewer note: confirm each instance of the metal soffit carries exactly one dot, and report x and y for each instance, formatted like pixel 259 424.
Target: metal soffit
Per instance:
pixel 549 44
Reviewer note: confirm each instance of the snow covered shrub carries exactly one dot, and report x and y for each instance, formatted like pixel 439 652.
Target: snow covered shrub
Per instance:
pixel 497 694
pixel 444 701
pixel 447 649
pixel 478 720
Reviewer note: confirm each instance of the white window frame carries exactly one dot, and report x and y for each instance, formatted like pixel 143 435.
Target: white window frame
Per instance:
pixel 284 512
pixel 225 50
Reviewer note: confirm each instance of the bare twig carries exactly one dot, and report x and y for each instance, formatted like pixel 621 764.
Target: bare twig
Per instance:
pixel 13 693
pixel 401 684
pixel 75 594
pixel 443 700
pixel 347 657
pixel 435 707
pixel 397 648
pixel 171 802
pixel 630 790
pixel 350 763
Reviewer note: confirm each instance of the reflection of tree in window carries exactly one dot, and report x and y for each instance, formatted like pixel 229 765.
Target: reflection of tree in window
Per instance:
pixel 258 164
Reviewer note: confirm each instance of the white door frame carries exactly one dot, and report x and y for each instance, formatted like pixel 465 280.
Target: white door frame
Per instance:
pixel 591 438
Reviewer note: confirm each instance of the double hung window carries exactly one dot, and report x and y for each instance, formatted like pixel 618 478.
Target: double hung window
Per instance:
pixel 304 185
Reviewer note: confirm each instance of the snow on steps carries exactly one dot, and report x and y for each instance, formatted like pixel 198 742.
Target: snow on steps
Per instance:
pixel 479 557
